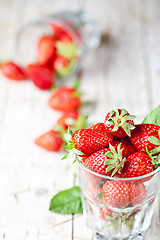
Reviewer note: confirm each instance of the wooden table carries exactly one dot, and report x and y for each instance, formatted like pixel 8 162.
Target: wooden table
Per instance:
pixel 123 72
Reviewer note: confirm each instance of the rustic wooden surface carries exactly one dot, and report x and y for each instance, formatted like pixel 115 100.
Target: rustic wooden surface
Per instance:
pixel 123 72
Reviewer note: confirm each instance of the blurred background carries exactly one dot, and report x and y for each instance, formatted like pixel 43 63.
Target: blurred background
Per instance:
pixel 123 72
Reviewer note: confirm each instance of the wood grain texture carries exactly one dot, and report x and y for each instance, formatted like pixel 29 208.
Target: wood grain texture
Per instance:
pixel 123 72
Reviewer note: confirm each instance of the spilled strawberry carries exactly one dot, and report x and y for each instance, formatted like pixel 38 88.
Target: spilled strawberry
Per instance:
pixel 41 76
pixel 65 99
pixel 51 141
pixel 12 71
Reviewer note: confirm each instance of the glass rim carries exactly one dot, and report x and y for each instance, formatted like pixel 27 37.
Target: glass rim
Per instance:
pixel 116 178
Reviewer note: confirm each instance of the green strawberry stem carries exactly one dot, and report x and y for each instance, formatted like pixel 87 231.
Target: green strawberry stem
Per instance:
pixel 120 120
pixel 115 160
pixel 73 152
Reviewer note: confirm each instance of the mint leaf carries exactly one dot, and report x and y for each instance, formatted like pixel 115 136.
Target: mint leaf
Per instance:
pixel 153 117
pixel 67 201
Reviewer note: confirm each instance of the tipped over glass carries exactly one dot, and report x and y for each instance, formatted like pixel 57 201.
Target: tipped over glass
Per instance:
pixel 81 29
pixel 118 208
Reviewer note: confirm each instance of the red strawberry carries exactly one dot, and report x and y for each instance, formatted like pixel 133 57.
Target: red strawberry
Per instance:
pixel 50 141
pixel 106 161
pixel 106 214
pixel 143 134
pixel 126 145
pixel 63 122
pixel 60 32
pixel 120 194
pixel 73 120
pixel 12 71
pixel 60 65
pixel 96 160
pixel 138 193
pixel 89 141
pixel 41 76
pixel 65 99
pixel 95 191
pixel 46 49
pixel 137 164
pixel 119 122
pixel 99 126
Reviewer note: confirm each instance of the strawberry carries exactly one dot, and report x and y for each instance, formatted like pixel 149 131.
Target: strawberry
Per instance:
pixel 46 49
pixel 144 136
pixel 138 193
pixel 119 122
pixel 137 164
pixel 106 214
pixel 73 120
pixel 68 119
pixel 51 141
pixel 120 194
pixel 95 191
pixel 87 141
pixel 65 99
pixel 99 126
pixel 60 32
pixel 41 76
pixel 12 71
pixel 60 65
pixel 96 160
pixel 126 145
pixel 106 161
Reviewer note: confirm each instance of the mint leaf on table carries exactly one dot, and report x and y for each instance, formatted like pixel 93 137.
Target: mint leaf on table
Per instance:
pixel 153 117
pixel 67 201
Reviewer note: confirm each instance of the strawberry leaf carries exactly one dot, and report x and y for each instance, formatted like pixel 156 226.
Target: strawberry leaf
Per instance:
pixel 76 151
pixel 99 195
pixel 154 140
pixel 67 202
pixel 126 129
pixel 155 151
pixel 153 117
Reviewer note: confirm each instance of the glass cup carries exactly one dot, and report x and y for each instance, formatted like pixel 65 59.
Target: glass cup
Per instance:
pixel 80 27
pixel 118 208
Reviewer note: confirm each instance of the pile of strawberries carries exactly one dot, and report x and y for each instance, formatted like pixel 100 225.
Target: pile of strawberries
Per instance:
pixel 68 101
pixel 56 57
pixel 117 148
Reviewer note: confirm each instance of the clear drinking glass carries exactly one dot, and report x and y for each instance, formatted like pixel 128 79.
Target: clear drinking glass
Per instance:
pixel 80 26
pixel 115 217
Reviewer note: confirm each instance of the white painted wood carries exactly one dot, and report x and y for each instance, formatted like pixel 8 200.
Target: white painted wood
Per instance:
pixel 124 72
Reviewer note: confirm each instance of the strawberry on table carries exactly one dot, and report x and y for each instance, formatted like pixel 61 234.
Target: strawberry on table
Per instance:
pixel 65 99
pixel 46 49
pixel 51 141
pixel 73 120
pixel 146 136
pixel 119 122
pixel 68 119
pixel 12 71
pixel 41 76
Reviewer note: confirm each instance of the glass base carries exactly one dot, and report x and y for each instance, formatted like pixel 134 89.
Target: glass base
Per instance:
pixel 138 237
